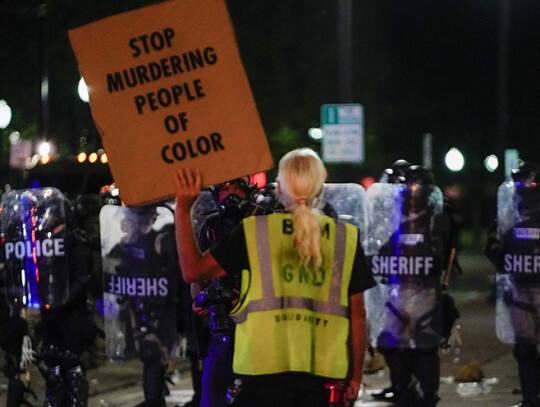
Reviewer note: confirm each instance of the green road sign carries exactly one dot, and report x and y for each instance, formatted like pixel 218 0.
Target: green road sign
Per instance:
pixel 343 132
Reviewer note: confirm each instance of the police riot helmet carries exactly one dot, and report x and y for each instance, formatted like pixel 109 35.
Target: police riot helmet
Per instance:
pixel 527 174
pixel 526 179
pixel 86 205
pixel 420 184
pixel 232 201
pixel 23 213
pixel 53 211
pixel 139 218
pixel 395 174
pixel 28 201
pixel 420 175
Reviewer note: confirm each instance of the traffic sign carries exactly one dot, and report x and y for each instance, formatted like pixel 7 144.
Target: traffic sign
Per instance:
pixel 343 132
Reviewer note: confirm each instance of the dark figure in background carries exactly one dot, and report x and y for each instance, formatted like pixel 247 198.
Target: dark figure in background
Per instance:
pixel 216 298
pixel 509 253
pixel 68 330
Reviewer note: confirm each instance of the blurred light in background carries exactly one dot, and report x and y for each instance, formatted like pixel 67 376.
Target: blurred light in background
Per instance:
pixel 14 137
pixel 83 91
pixel 315 133
pixel 454 160
pixel 44 149
pixel 491 162
pixel 5 114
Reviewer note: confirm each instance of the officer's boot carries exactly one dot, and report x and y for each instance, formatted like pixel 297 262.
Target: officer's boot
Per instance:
pixel 77 387
pixel 528 360
pixel 54 388
pixel 400 376
pixel 153 385
pixel 406 397
pixel 427 371
pixel 427 401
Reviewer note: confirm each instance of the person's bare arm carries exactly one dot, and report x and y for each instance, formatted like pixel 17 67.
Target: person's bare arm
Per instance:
pixel 194 265
pixel 358 344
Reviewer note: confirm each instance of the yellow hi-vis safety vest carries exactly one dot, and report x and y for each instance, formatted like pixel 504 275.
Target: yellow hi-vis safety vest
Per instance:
pixel 293 318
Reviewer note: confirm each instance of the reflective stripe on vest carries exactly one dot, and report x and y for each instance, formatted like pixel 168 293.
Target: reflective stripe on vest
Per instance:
pixel 260 337
pixel 270 302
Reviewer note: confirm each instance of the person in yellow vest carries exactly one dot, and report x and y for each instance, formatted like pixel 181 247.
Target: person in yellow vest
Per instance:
pixel 300 317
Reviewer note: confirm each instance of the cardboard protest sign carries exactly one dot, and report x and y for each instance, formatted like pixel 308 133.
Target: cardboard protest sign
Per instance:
pixel 168 90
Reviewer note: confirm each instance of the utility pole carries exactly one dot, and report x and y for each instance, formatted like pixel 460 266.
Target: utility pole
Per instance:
pixel 43 128
pixel 502 81
pixel 344 30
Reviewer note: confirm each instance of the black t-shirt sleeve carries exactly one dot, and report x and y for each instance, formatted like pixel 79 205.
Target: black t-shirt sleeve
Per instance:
pixel 361 277
pixel 231 251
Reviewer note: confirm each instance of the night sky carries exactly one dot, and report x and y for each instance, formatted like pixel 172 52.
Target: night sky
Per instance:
pixel 418 66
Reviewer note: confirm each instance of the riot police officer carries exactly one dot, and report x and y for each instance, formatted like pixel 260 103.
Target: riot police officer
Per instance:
pixel 232 200
pixel 48 261
pixel 140 279
pixel 69 330
pixel 406 256
pixel 395 174
pixel 515 250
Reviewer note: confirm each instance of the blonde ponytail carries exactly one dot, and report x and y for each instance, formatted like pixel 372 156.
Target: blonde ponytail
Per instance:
pixel 302 174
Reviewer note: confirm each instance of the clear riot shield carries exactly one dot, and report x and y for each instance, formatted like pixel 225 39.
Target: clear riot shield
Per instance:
pixel 404 252
pixel 518 277
pixel 34 239
pixel 347 200
pixel 140 276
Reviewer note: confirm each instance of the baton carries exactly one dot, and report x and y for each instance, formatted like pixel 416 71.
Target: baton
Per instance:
pixel 446 276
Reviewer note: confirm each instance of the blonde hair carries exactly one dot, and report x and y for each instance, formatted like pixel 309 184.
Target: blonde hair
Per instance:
pixel 303 174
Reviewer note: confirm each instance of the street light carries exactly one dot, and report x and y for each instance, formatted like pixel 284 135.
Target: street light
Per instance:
pixel 315 133
pixel 454 160
pixel 5 114
pixel 491 162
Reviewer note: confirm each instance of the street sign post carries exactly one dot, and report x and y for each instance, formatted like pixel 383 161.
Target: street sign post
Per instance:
pixel 343 132
pixel 511 161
